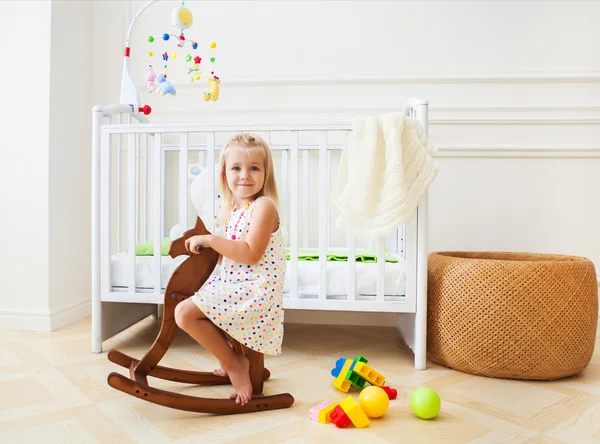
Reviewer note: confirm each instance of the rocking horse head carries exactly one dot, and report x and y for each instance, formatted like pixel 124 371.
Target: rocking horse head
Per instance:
pixel 177 247
pixel 191 274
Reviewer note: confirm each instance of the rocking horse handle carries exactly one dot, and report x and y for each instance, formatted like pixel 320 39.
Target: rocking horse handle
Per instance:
pixel 177 247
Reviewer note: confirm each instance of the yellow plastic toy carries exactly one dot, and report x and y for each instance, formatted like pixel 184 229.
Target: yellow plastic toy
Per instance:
pixel 356 373
pixel 325 414
pixel 355 413
pixel 370 374
pixel 213 94
pixel 340 382
pixel 374 401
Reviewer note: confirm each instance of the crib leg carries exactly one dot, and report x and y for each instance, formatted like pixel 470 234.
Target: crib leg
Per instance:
pixel 420 343
pixel 156 314
pixel 96 326
pixel 413 329
pixel 96 340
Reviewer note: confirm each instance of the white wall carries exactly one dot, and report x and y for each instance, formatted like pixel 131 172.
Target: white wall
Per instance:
pixel 44 173
pixel 71 79
pixel 512 86
pixel 24 122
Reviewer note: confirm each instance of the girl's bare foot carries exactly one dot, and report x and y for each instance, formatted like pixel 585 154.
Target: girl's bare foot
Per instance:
pixel 239 374
pixel 221 371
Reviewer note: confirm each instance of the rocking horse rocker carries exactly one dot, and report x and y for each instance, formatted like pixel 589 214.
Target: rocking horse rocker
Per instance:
pixel 185 281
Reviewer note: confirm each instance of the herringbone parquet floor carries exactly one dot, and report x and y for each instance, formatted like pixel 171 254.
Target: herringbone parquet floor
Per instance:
pixel 54 390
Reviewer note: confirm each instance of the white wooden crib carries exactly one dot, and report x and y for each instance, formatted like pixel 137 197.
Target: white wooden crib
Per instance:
pixel 141 189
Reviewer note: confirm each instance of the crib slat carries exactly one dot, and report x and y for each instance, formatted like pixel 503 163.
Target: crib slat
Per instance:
pixel 284 187
pixel 183 180
pixel 157 177
pixel 105 213
pixel 351 238
pixel 131 173
pixel 210 163
pixel 329 233
pixel 294 216
pixel 119 189
pixel 351 267
pixel 163 195
pixel 305 197
pixel 138 168
pixel 146 179
pixel 322 215
pixel 410 251
pixel 400 241
pixel 380 269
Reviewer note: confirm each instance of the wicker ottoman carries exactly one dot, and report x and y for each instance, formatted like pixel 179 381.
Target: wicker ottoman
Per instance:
pixel 511 315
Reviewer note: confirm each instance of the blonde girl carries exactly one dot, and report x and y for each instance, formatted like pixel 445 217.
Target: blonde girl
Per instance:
pixel 244 302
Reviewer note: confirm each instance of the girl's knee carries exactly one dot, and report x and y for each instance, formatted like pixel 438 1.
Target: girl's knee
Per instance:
pixel 184 314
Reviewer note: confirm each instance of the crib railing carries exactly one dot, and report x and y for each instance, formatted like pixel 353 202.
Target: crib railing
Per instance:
pixel 135 160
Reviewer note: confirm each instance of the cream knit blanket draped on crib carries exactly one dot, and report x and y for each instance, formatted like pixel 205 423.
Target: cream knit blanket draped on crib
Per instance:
pixel 390 170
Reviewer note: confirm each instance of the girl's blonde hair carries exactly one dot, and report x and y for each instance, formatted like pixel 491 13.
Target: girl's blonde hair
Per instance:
pixel 250 143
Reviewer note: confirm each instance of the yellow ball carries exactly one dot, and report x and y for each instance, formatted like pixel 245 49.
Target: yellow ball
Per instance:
pixel 213 45
pixel 150 54
pixel 374 401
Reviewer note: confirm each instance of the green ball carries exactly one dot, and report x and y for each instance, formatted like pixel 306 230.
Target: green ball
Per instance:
pixel 150 39
pixel 425 402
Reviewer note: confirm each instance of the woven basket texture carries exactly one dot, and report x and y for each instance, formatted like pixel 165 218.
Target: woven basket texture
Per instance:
pixel 511 315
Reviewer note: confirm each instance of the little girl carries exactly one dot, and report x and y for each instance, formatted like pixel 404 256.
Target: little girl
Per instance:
pixel 245 301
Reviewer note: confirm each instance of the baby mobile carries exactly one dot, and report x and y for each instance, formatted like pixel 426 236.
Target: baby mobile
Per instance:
pixel 182 19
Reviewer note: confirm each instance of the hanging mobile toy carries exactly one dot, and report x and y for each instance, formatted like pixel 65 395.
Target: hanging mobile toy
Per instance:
pixel 181 18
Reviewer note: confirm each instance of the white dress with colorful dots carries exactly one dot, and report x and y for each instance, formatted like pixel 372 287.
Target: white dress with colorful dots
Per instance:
pixel 246 300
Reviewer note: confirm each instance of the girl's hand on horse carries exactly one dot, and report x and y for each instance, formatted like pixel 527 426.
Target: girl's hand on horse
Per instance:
pixel 192 243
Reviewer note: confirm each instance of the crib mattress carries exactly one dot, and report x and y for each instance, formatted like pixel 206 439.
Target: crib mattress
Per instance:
pixel 308 276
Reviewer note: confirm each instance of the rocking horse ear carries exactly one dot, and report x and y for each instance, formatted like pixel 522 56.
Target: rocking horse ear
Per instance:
pixel 200 227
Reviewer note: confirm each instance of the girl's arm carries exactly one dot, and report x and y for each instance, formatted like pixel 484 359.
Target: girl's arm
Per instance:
pixel 264 222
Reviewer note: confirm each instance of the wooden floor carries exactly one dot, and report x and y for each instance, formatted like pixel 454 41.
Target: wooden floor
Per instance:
pixel 54 390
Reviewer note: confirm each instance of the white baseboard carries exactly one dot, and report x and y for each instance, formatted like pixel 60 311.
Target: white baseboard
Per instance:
pixel 327 317
pixel 71 313
pixel 49 321
pixel 21 320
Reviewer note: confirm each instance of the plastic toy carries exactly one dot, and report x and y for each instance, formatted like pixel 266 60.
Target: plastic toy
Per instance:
pixel 322 412
pixel 339 417
pixel 374 401
pixel 354 412
pixel 391 392
pixel 213 94
pixel 355 373
pixel 314 411
pixel 425 402
pixel 182 19
pixel 349 412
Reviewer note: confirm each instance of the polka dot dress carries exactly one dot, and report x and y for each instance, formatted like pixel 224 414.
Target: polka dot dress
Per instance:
pixel 246 300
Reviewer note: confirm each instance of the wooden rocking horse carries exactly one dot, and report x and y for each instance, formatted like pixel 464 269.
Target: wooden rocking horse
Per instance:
pixel 185 281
